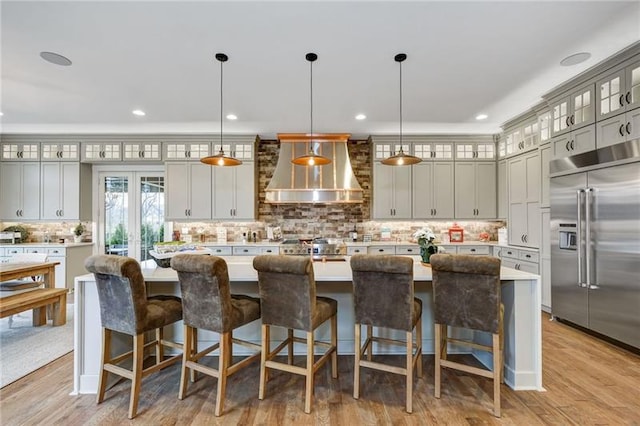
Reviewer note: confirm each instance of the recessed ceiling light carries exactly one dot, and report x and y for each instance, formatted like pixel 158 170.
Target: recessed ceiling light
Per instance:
pixel 1 113
pixel 55 58
pixel 481 117
pixel 232 117
pixel 361 117
pixel 575 59
pixel 138 112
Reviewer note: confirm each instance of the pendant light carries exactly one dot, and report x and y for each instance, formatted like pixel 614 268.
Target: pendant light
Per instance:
pixel 220 159
pixel 401 159
pixel 311 159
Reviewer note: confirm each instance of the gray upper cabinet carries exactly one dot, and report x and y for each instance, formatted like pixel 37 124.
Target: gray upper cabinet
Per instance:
pixel 181 151
pixel 573 110
pixel 575 142
pixel 476 151
pixel 385 150
pixel 234 195
pixel 95 152
pixel 432 151
pixel 65 191
pixel 391 191
pixel 503 199
pixel 619 128
pixel 20 190
pixel 142 151
pixel 65 151
pixel 242 151
pixel 521 137
pixel 188 190
pixel 524 200
pixel 475 190
pixel 619 90
pixel 432 190
pixel 20 151
pixel 545 157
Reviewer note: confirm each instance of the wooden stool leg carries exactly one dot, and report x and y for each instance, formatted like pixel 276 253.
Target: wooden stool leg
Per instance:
pixel 444 332
pixel 501 332
pixel 309 381
pixel 419 344
pixel 369 336
pixel 437 352
pixel 136 379
pixel 266 352
pixel 106 356
pixel 290 346
pixel 187 355
pixel 223 365
pixel 158 345
pixel 409 395
pixel 496 374
pixel 334 343
pixel 356 364
pixel 194 351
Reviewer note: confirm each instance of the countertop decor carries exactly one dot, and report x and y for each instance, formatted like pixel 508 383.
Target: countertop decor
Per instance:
pixel 425 237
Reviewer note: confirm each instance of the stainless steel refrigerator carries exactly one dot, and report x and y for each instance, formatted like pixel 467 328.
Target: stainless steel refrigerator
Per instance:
pixel 595 241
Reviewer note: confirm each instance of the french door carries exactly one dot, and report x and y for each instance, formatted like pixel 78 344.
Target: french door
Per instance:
pixel 131 210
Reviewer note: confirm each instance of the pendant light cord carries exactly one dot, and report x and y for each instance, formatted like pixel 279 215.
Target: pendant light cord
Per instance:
pixel 221 62
pixel 311 109
pixel 400 106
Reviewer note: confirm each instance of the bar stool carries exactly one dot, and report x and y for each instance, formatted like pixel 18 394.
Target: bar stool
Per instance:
pixel 288 299
pixel 466 293
pixel 125 308
pixel 383 295
pixel 208 305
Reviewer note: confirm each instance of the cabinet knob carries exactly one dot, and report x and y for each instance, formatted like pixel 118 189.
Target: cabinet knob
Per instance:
pixel 472 250
pixel 381 250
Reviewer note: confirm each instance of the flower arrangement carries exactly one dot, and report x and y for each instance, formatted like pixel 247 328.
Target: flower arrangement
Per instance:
pixel 425 237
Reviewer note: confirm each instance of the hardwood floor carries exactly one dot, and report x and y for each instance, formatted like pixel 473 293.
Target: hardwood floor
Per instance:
pixel 587 381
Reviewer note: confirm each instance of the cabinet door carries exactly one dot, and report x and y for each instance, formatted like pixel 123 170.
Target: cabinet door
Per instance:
pixel 70 190
pixel 485 184
pixel 382 191
pixel 502 190
pixel 545 157
pixel 611 94
pixel 199 191
pixel 10 183
pixel 423 186
pixel 560 116
pixel 611 131
pixel 177 192
pixel 632 97
pixel 224 192
pixel 465 190
pixel 582 108
pixel 245 188
pixel 402 192
pixel 443 190
pixel 51 189
pixel 633 124
pixel 30 191
pixel 583 140
pixel 561 146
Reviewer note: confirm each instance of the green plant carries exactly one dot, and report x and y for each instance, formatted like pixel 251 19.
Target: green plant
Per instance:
pixel 79 229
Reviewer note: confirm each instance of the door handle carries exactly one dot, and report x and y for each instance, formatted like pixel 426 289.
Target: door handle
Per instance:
pixel 628 127
pixel 579 193
pixel 567 145
pixel 628 97
pixel 573 119
pixel 621 100
pixel 621 130
pixel 587 218
pixel 572 147
pixel 566 121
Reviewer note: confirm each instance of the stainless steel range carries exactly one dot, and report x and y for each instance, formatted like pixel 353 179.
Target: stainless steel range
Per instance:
pixel 318 248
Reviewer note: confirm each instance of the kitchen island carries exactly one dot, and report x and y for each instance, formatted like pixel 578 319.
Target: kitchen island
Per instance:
pixel 520 295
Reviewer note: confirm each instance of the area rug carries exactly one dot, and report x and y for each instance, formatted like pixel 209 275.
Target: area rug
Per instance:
pixel 24 348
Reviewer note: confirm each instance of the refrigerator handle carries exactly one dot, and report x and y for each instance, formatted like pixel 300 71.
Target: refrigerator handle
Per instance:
pixel 579 205
pixel 589 194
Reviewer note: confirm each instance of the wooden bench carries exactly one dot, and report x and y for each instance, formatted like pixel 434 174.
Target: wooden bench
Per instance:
pixel 38 300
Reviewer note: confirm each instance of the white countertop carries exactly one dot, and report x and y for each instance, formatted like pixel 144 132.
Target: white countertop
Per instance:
pixel 52 245
pixel 241 269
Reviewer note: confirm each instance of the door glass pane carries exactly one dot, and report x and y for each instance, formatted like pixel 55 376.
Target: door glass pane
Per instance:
pixel 151 214
pixel 116 208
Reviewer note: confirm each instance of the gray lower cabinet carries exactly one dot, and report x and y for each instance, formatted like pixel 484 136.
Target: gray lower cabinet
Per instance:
pixel 19 190
pixel 475 190
pixel 432 190
pixel 188 190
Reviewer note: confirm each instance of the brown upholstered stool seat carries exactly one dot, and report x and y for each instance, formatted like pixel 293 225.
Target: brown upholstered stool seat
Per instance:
pixel 208 304
pixel 125 308
pixel 383 294
pixel 466 293
pixel 288 299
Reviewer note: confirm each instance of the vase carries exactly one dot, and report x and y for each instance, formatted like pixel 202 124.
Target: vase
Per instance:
pixel 77 238
pixel 427 251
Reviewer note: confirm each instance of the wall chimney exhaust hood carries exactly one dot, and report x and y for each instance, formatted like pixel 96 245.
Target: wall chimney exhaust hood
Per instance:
pixel 332 183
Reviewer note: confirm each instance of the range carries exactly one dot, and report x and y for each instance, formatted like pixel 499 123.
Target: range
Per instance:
pixel 318 248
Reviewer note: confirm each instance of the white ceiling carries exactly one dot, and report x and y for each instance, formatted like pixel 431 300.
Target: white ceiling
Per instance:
pixel 464 58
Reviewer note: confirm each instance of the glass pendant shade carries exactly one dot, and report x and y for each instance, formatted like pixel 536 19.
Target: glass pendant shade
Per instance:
pixel 401 159
pixel 311 159
pixel 220 159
